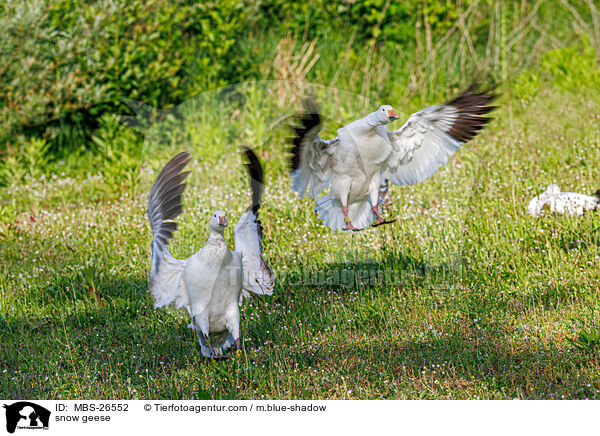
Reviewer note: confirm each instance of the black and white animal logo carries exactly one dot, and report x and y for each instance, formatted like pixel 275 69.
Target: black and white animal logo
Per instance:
pixel 26 415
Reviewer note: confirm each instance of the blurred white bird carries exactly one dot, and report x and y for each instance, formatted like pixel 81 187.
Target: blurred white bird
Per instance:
pixel 563 203
pixel 365 155
pixel 210 283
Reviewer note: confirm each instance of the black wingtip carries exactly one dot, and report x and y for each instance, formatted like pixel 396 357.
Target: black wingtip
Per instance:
pixel 164 202
pixel 308 121
pixel 471 105
pixel 256 173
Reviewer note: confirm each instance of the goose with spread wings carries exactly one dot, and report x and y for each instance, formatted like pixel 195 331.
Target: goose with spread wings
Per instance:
pixel 210 283
pixel 366 155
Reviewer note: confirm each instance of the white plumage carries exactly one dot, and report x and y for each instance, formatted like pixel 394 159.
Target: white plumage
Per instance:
pixel 562 203
pixel 210 283
pixel 365 155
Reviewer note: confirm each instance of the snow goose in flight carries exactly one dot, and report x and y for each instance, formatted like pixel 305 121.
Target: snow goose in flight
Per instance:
pixel 365 155
pixel 563 203
pixel 210 283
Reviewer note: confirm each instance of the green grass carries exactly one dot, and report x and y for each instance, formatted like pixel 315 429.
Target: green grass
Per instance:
pixel 465 296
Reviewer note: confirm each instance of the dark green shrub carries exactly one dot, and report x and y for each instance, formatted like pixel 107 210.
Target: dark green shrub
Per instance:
pixel 67 62
pixel 324 18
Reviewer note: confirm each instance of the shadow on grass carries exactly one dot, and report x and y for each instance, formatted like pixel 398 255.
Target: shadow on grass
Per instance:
pixel 485 365
pixel 563 233
pixel 395 270
pixel 125 348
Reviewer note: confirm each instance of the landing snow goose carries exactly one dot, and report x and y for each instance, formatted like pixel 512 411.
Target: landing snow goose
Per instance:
pixel 366 155
pixel 210 283
pixel 562 203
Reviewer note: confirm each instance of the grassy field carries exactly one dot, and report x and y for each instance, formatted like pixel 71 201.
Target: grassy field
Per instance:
pixel 465 296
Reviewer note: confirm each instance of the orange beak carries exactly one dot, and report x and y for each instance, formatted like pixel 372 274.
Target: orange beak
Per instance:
pixel 392 114
pixel 223 221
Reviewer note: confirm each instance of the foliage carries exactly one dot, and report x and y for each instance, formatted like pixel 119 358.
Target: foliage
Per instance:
pixel 573 67
pixel 120 155
pixel 68 62
pixel 480 291
pixel 477 307
pixel 29 161
pixel 570 68
pixel 587 340
pixel 391 21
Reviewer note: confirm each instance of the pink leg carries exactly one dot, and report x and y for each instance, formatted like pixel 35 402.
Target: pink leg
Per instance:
pixel 349 225
pixel 379 218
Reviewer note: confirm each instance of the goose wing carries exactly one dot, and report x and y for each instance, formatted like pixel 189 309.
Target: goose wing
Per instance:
pixel 431 136
pixel 311 161
pixel 257 276
pixel 164 205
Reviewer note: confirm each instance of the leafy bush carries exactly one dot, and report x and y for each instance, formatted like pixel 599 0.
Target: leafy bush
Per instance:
pixel 570 68
pixel 120 155
pixel 30 160
pixel 573 67
pixel 393 21
pixel 67 62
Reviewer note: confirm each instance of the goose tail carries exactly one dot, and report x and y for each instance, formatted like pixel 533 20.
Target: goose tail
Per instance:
pixel 330 211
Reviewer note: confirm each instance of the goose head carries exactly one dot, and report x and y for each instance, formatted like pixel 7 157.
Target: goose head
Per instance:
pixel 385 114
pixel 218 221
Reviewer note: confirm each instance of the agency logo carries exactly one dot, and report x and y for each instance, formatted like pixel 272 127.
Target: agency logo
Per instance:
pixel 26 415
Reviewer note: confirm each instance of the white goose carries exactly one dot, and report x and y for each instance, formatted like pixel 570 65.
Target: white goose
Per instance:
pixel 210 283
pixel 562 203
pixel 365 155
